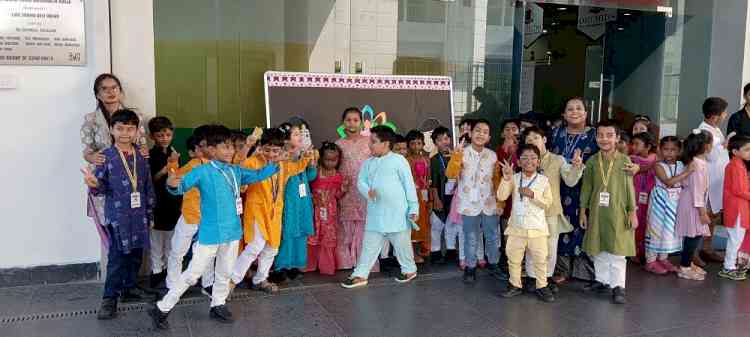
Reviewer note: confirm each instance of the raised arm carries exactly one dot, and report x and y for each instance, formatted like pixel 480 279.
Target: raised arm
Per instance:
pixel 250 176
pixel 671 181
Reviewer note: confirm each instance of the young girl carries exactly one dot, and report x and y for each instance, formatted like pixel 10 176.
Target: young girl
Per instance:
pixel 643 144
pixel 355 149
pixel 660 238
pixel 736 205
pixel 420 170
pixel 327 189
pixel 692 214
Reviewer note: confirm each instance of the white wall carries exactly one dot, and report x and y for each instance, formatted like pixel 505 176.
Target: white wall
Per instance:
pixel 42 204
pixel 730 18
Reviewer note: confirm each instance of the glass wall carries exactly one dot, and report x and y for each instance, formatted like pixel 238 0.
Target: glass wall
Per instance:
pixel 650 57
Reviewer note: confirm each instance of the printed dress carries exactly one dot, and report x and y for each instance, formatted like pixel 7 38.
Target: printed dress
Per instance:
pixel 321 246
pixel 353 205
pixel 693 195
pixel 662 214
pixel 420 170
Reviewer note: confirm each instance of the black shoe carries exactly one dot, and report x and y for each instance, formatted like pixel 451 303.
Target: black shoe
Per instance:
pixel 618 295
pixel 108 309
pixel 207 291
pixel 277 277
pixel 552 286
pixel 529 284
pixel 512 291
pixel 134 295
pixel 437 258
pixel 157 281
pixel 598 287
pixel 294 274
pixel 496 272
pixel 545 294
pixel 158 317
pixel 221 314
pixel 470 275
pixel 451 255
pixel 242 285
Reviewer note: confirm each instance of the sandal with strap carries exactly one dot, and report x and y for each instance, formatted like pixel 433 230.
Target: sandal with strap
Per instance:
pixel 266 287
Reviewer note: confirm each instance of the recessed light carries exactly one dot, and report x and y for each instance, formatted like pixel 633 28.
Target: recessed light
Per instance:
pixel 561 8
pixel 620 28
pixel 544 31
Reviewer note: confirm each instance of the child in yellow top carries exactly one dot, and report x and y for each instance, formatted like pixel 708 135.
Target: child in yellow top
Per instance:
pixel 264 202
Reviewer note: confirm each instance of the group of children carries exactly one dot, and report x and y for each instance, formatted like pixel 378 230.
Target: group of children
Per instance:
pixel 290 208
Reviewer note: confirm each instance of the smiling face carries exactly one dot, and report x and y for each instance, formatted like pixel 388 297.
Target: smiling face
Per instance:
pixel 223 151
pixel 529 161
pixel 295 138
pixel 124 134
pixel 607 138
pixel 537 140
pixel 511 131
pixel 271 153
pixel 109 92
pixel 353 122
pixel 480 135
pixel 575 113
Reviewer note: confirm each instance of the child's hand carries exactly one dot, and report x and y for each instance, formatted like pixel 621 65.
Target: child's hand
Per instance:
pixel 372 194
pixel 583 221
pixel 173 180
pixel 704 218
pixel 577 160
pixel 526 192
pixel 437 204
pixel 413 217
pixel 144 151
pixel 174 157
pixel 460 148
pixel 89 179
pixel 631 169
pixel 507 169
pixel 633 220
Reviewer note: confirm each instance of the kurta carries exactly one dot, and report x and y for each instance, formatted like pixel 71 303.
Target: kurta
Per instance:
pixel 220 222
pixel 717 159
pixel 565 145
pixel 420 170
pixel 297 222
pixel 736 194
pixel 129 225
pixel 191 200
pixel 693 196
pixel 264 200
pixel 609 229
pixel 644 182
pixel 167 209
pixel 326 192
pixel 396 197
pixel 438 164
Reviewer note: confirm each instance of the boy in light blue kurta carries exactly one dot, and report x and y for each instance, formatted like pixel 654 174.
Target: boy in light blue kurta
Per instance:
pixel 386 182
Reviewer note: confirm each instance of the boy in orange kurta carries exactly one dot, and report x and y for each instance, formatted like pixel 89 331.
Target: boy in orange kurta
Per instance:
pixel 264 202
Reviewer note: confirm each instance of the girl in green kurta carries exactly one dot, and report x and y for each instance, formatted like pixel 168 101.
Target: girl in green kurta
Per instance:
pixel 609 196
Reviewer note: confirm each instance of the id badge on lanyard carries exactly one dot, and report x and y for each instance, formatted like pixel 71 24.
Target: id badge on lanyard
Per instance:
pixel 604 199
pixel 302 190
pixel 450 186
pixel 643 198
pixel 135 200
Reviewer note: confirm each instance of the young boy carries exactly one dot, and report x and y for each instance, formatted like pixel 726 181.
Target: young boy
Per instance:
pixel 714 113
pixel 557 170
pixel 527 227
pixel 608 213
pixel 442 195
pixel 736 205
pixel 392 208
pixel 125 181
pixel 161 157
pixel 264 204
pixel 187 224
pixel 400 145
pixel 479 177
pixel 219 184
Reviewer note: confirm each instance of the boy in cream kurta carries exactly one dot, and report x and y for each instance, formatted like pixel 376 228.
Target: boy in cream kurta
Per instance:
pixel 527 226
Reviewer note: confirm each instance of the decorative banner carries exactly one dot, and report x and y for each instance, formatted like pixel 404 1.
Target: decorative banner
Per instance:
pixel 402 103
pixel 592 20
pixel 533 24
pixel 42 32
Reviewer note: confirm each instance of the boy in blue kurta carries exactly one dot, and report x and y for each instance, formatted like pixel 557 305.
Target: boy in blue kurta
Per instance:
pixel 219 231
pixel 125 181
pixel 386 182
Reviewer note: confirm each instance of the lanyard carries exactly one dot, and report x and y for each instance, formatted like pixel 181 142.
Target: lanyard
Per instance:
pixel 605 178
pixel 672 173
pixel 235 186
pixel 132 175
pixel 442 161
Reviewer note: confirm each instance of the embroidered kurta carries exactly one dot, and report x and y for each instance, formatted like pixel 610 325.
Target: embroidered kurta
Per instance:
pixel 420 170
pixel 736 194
pixel 191 200
pixel 609 229
pixel 129 225
pixel 354 153
pixel 478 178
pixel 297 222
pixel 529 217
pixel 326 192
pixel 220 222
pixel 396 197
pixel 557 171
pixel 565 144
pixel 264 200
pixel 167 209
pixel 693 196
pixel 717 160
